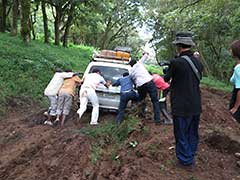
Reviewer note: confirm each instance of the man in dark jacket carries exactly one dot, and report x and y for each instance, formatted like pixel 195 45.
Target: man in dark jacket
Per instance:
pixel 185 99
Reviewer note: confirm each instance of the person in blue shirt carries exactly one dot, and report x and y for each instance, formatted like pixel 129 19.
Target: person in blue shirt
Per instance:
pixel 235 79
pixel 127 93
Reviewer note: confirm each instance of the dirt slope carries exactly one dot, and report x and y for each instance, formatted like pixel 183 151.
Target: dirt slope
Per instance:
pixel 32 151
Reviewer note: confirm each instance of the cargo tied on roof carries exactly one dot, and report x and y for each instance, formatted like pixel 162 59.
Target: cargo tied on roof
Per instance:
pixel 118 55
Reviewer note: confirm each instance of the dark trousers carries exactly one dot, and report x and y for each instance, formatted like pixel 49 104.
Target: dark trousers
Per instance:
pixel 124 98
pixel 186 137
pixel 163 104
pixel 236 115
pixel 151 89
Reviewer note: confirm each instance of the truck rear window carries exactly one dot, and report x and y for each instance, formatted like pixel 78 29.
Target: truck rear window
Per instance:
pixel 110 73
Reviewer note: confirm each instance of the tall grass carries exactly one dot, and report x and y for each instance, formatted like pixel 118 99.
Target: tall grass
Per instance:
pixel 216 84
pixel 26 70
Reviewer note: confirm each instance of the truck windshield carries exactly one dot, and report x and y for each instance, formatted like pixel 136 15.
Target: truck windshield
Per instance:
pixel 110 73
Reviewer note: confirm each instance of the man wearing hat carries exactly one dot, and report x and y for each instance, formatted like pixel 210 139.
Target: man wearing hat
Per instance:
pixel 185 98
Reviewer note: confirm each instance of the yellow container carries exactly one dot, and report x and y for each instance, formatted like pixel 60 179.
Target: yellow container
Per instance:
pixel 122 55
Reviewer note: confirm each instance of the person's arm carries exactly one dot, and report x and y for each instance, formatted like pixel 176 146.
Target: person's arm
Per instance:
pixel 134 84
pixel 78 81
pixel 117 83
pixel 237 103
pixel 66 74
pixel 169 72
pixel 143 58
pixel 106 84
pixel 237 86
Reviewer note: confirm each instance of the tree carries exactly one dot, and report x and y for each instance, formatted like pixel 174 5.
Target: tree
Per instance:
pixel 212 23
pixel 68 24
pixel 58 9
pixel 120 16
pixel 15 13
pixel 45 22
pixel 25 21
pixel 33 18
pixel 3 15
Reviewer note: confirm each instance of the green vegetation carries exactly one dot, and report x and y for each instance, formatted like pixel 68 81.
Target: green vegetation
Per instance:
pixel 96 153
pixel 216 84
pixel 215 25
pixel 106 134
pixel 154 69
pixel 26 70
pixel 102 24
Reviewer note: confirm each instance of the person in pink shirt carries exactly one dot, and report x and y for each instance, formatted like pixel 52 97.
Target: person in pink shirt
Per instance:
pixel 159 82
pixel 163 88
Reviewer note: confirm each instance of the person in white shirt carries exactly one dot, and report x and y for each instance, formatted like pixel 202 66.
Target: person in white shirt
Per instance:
pixel 88 92
pixel 145 84
pixel 51 92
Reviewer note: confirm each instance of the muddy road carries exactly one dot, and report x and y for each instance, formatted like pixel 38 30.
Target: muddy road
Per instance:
pixel 29 150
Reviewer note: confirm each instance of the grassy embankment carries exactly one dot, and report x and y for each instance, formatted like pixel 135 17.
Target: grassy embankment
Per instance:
pixel 26 70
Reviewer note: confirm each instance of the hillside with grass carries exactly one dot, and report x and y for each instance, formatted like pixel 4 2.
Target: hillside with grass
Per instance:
pixel 26 70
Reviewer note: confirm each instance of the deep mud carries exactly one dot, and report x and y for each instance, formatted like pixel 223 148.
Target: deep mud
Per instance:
pixel 29 150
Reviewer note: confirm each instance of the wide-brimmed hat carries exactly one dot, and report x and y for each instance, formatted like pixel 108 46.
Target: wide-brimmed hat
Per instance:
pixel 184 38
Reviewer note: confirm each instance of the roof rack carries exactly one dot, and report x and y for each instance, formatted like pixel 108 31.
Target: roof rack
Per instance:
pixel 123 49
pixel 112 56
pixel 110 60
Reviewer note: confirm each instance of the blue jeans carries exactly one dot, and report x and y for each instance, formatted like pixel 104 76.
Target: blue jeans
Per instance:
pixel 124 98
pixel 151 89
pixel 186 136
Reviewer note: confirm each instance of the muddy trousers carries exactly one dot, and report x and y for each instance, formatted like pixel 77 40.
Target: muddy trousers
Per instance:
pixel 85 95
pixel 53 104
pixel 163 104
pixel 186 137
pixel 151 89
pixel 124 98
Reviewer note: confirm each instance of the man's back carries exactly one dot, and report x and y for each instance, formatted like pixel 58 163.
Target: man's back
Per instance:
pixel 93 80
pixel 159 82
pixel 56 82
pixel 185 90
pixel 69 85
pixel 126 83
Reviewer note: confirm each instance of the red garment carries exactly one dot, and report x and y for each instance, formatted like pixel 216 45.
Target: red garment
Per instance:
pixel 159 82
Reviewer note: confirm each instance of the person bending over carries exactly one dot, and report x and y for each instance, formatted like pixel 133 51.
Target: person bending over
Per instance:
pixel 51 92
pixel 88 92
pixel 127 93
pixel 65 96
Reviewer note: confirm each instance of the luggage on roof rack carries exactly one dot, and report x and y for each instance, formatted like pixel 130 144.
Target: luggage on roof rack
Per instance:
pixel 112 56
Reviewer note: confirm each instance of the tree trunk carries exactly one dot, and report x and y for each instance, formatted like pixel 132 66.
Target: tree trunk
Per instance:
pixel 25 25
pixel 1 20
pixel 32 28
pixel 105 35
pixel 57 24
pixel 14 18
pixel 45 23
pixel 68 25
pixel 3 15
